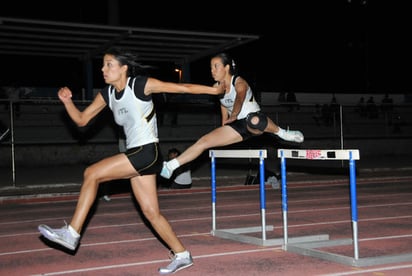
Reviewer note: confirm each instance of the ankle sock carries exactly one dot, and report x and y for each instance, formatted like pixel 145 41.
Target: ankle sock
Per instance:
pixel 173 164
pixel 183 254
pixel 280 133
pixel 73 232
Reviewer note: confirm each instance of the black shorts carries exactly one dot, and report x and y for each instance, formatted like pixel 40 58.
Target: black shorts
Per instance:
pixel 146 159
pixel 241 127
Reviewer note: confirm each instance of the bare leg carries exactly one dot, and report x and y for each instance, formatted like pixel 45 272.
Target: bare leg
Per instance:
pixel 145 191
pixel 288 135
pixel 271 127
pixel 219 137
pixel 222 136
pixel 115 167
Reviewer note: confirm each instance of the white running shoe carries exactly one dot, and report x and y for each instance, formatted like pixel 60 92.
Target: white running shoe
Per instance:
pixel 106 198
pixel 293 136
pixel 166 172
pixel 177 264
pixel 61 236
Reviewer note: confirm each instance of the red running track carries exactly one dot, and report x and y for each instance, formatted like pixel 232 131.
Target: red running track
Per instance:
pixel 117 241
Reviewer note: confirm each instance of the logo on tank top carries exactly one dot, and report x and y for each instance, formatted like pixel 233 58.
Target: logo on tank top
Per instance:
pixel 228 101
pixel 122 111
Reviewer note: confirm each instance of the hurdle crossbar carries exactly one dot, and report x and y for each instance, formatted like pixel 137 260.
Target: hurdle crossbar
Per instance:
pixel 319 154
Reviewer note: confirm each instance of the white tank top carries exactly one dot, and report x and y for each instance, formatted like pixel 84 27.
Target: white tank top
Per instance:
pixel 136 116
pixel 249 104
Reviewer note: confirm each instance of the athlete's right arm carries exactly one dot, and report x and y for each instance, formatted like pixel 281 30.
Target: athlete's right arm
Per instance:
pixel 224 114
pixel 81 118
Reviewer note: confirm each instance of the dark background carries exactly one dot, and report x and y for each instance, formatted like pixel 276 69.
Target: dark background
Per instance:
pixel 335 46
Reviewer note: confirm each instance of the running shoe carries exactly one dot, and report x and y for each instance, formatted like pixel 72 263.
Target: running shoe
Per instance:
pixel 293 136
pixel 106 198
pixel 177 264
pixel 166 172
pixel 61 236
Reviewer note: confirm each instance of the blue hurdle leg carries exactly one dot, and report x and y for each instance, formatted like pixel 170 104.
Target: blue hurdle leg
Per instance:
pixel 213 173
pixel 354 205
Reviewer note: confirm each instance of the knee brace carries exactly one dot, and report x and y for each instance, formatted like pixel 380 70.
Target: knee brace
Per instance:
pixel 261 123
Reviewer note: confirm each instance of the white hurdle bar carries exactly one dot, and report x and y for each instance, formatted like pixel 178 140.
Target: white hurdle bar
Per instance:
pixel 235 234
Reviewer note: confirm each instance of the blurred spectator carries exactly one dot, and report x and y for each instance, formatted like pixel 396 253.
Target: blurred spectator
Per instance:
pixel 334 109
pixel 292 101
pixel 282 97
pixel 397 124
pixel 361 107
pixel 326 114
pixel 371 108
pixel 387 108
pixel 317 115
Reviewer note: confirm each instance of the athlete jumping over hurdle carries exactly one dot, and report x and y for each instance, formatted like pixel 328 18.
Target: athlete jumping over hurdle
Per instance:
pixel 241 116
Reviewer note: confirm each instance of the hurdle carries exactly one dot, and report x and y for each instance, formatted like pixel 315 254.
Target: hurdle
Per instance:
pixel 240 234
pixel 310 248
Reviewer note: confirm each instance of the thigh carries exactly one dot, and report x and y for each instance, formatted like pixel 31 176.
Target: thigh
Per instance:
pixel 145 191
pixel 110 168
pixel 221 136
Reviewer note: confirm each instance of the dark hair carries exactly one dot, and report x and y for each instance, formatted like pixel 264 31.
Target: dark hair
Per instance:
pixel 228 60
pixel 174 150
pixel 127 58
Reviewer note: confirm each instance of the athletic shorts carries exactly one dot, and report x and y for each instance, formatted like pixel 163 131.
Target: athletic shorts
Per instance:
pixel 241 127
pixel 146 159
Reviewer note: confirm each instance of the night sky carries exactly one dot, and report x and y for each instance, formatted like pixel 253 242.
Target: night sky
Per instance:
pixel 305 46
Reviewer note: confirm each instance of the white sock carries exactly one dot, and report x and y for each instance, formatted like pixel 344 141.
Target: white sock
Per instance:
pixel 73 232
pixel 281 132
pixel 173 164
pixel 183 254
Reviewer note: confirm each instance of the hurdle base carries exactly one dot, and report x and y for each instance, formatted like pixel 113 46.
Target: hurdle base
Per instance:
pixel 310 249
pixel 237 234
